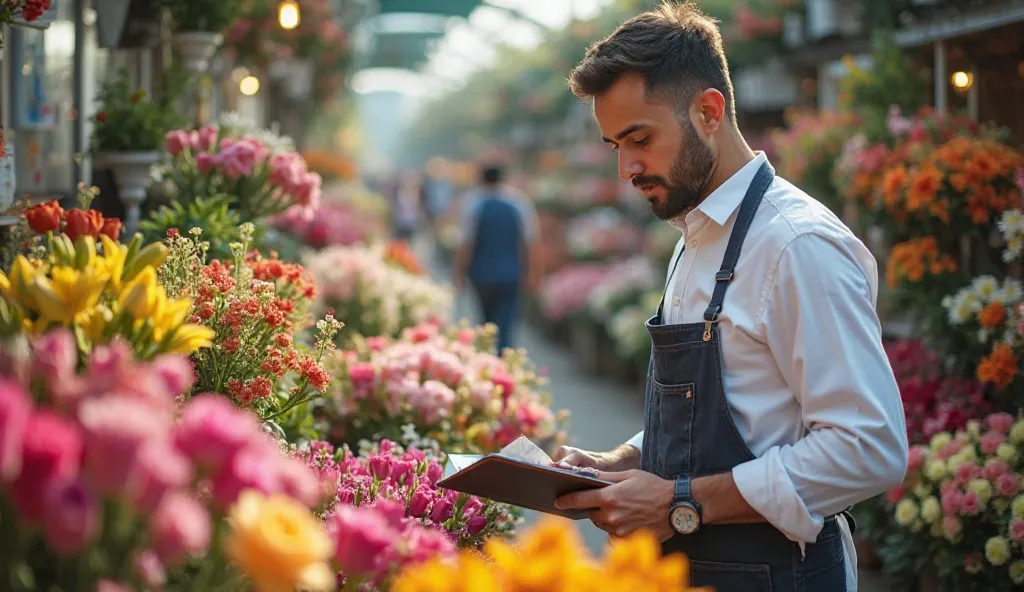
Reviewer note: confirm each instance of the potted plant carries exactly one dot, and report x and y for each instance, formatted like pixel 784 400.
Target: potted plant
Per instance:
pixel 128 135
pixel 198 26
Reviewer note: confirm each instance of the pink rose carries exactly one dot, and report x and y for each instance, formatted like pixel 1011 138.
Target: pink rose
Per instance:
pixel 994 467
pixel 54 356
pixel 237 159
pixel 969 505
pixel 175 141
pixel 362 537
pixel 205 162
pixel 1000 422
pixel 990 442
pixel 15 410
pixel 52 452
pixel 1017 530
pixel 161 468
pixel 211 430
pixel 1007 485
pixel 115 428
pixel 179 528
pixel 951 501
pixel 72 517
pixel 966 471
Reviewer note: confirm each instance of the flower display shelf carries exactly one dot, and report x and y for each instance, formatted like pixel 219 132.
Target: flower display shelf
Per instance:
pixel 132 176
pixel 197 49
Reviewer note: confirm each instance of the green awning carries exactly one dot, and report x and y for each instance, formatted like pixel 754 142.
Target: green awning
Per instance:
pixel 404 50
pixel 442 7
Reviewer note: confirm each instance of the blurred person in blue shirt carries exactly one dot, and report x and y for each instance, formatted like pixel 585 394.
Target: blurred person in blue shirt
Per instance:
pixel 499 251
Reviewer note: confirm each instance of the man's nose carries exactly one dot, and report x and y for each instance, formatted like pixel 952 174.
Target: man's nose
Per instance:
pixel 629 167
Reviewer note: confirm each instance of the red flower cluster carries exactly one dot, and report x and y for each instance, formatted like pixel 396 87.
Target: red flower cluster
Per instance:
pixel 292 275
pixel 33 9
pixel 932 402
pixel 48 217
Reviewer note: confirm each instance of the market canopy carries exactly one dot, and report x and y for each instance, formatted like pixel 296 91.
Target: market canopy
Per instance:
pixel 439 7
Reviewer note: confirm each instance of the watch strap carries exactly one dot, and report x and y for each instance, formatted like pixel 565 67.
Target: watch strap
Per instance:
pixel 682 490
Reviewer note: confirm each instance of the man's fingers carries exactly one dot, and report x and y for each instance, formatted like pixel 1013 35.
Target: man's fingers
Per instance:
pixel 615 476
pixel 581 500
pixel 562 452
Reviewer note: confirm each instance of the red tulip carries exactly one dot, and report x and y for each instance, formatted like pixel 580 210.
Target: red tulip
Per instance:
pixel 82 223
pixel 44 217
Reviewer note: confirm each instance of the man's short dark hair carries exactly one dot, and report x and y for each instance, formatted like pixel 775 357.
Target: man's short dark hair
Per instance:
pixel 492 175
pixel 675 47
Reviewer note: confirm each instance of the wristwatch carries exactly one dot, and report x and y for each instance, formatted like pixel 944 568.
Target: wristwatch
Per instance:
pixel 685 513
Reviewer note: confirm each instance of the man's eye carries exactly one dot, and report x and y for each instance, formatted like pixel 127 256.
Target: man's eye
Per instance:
pixel 642 141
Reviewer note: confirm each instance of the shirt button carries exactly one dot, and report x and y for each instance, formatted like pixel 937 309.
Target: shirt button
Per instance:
pixel 693 244
pixel 675 302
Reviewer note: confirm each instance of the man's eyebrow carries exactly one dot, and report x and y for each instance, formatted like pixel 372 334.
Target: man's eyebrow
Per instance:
pixel 632 128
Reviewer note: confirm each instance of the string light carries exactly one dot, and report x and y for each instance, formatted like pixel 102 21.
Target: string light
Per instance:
pixel 288 14
pixel 249 86
pixel 962 80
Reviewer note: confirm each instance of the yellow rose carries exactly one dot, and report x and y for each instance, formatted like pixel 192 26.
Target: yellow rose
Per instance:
pixel 1017 571
pixel 1007 452
pixel 931 509
pixel 953 463
pixel 1017 432
pixel 997 550
pixel 974 428
pixel 936 470
pixel 968 453
pixel 906 511
pixel 939 440
pixel 279 544
pixel 921 490
pixel 983 488
pixel 1017 507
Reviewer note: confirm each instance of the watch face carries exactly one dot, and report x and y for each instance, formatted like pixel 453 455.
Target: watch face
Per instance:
pixel 685 519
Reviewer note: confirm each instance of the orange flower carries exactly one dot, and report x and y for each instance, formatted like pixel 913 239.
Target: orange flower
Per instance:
pixel 914 259
pixel 993 315
pixel 1000 367
pixel 83 222
pixel 924 185
pixel 893 184
pixel 44 217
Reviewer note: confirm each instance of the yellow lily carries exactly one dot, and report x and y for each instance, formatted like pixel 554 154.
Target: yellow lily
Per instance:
pixel 139 296
pixel 113 259
pixel 5 285
pixel 169 315
pixel 23 273
pixel 189 338
pixel 67 292
pixel 94 321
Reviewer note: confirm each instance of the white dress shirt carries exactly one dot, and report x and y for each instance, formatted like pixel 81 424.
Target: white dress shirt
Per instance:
pixel 806 378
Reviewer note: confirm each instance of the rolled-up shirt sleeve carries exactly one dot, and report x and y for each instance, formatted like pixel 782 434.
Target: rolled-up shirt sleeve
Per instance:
pixel 820 324
pixel 637 441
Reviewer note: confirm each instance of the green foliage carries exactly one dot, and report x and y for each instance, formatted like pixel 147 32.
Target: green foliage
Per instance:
pixel 191 16
pixel 893 79
pixel 211 214
pixel 130 121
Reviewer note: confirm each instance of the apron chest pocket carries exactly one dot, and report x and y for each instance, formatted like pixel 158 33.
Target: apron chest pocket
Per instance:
pixel 731 577
pixel 675 405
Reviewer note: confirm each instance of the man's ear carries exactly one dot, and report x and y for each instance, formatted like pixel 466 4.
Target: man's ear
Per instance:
pixel 710 107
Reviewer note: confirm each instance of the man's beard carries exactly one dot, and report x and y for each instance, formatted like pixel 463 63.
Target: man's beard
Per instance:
pixel 688 177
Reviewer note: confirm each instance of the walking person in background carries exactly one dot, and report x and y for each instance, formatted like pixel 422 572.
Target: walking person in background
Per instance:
pixel 406 204
pixel 499 251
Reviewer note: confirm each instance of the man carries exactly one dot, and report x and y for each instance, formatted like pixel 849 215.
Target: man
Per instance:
pixel 771 407
pixel 499 251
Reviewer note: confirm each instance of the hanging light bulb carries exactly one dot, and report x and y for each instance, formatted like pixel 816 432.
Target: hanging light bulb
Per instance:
pixel 962 80
pixel 249 86
pixel 288 14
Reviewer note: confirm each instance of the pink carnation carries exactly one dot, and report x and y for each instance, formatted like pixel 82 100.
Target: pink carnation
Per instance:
pixel 1007 485
pixel 967 471
pixel 952 498
pixel 994 467
pixel 1000 422
pixel 990 442
pixel 969 505
pixel 915 458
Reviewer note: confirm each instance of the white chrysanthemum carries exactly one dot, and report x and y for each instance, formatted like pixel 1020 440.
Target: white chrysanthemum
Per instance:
pixel 984 286
pixel 1010 293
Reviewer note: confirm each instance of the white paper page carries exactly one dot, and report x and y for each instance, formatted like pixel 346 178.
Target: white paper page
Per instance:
pixel 525 450
pixel 457 462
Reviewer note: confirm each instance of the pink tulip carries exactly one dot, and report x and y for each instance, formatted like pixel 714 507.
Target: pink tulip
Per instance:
pixel 116 426
pixel 380 466
pixel 386 447
pixel 249 468
pixel 161 468
pixel 205 162
pixel 207 137
pixel 175 372
pixel 476 525
pixel 54 356
pixel 420 503
pixel 52 452
pixel 425 544
pixel 346 496
pixel 150 569
pixel 442 510
pixel 1000 422
pixel 72 517
pixel 434 472
pixel 285 170
pixel 237 159
pixel 107 366
pixel 401 468
pixel 175 141
pixel 180 527
pixel 15 410
pixel 472 507
pixel 362 537
pixel 211 430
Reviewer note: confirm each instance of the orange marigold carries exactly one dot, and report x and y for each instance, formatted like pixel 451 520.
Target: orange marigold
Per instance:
pixel 912 260
pixel 993 315
pixel 1000 367
pixel 924 186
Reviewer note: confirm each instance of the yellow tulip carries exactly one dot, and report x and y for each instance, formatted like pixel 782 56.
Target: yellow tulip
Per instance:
pixel 94 321
pixel 279 544
pixel 189 338
pixel 67 292
pixel 139 296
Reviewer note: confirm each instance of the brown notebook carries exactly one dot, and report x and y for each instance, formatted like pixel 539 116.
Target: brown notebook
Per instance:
pixel 517 482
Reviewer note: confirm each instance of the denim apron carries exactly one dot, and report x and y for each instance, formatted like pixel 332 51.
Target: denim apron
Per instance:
pixel 688 430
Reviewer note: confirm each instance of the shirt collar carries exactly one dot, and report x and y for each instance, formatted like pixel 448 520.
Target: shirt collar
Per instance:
pixel 724 200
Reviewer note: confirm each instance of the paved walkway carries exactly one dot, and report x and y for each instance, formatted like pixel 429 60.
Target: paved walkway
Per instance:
pixel 605 413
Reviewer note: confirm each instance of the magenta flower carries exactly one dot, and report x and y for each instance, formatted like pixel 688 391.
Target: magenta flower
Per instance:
pixel 116 426
pixel 299 482
pixel 1000 422
pixel 380 466
pixel 362 537
pixel 175 372
pixel 442 510
pixel 206 138
pixel 205 162
pixel 177 140
pixel 52 452
pixel 476 525
pixel 161 468
pixel 72 516
pixel 54 356
pixel 180 527
pixel 420 503
pixel 211 430
pixel 15 410
pixel 252 467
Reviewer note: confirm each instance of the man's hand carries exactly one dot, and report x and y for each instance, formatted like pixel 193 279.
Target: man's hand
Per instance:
pixel 623 458
pixel 637 500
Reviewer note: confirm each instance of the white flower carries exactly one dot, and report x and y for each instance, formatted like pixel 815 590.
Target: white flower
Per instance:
pixel 984 287
pixel 983 335
pixel 1010 293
